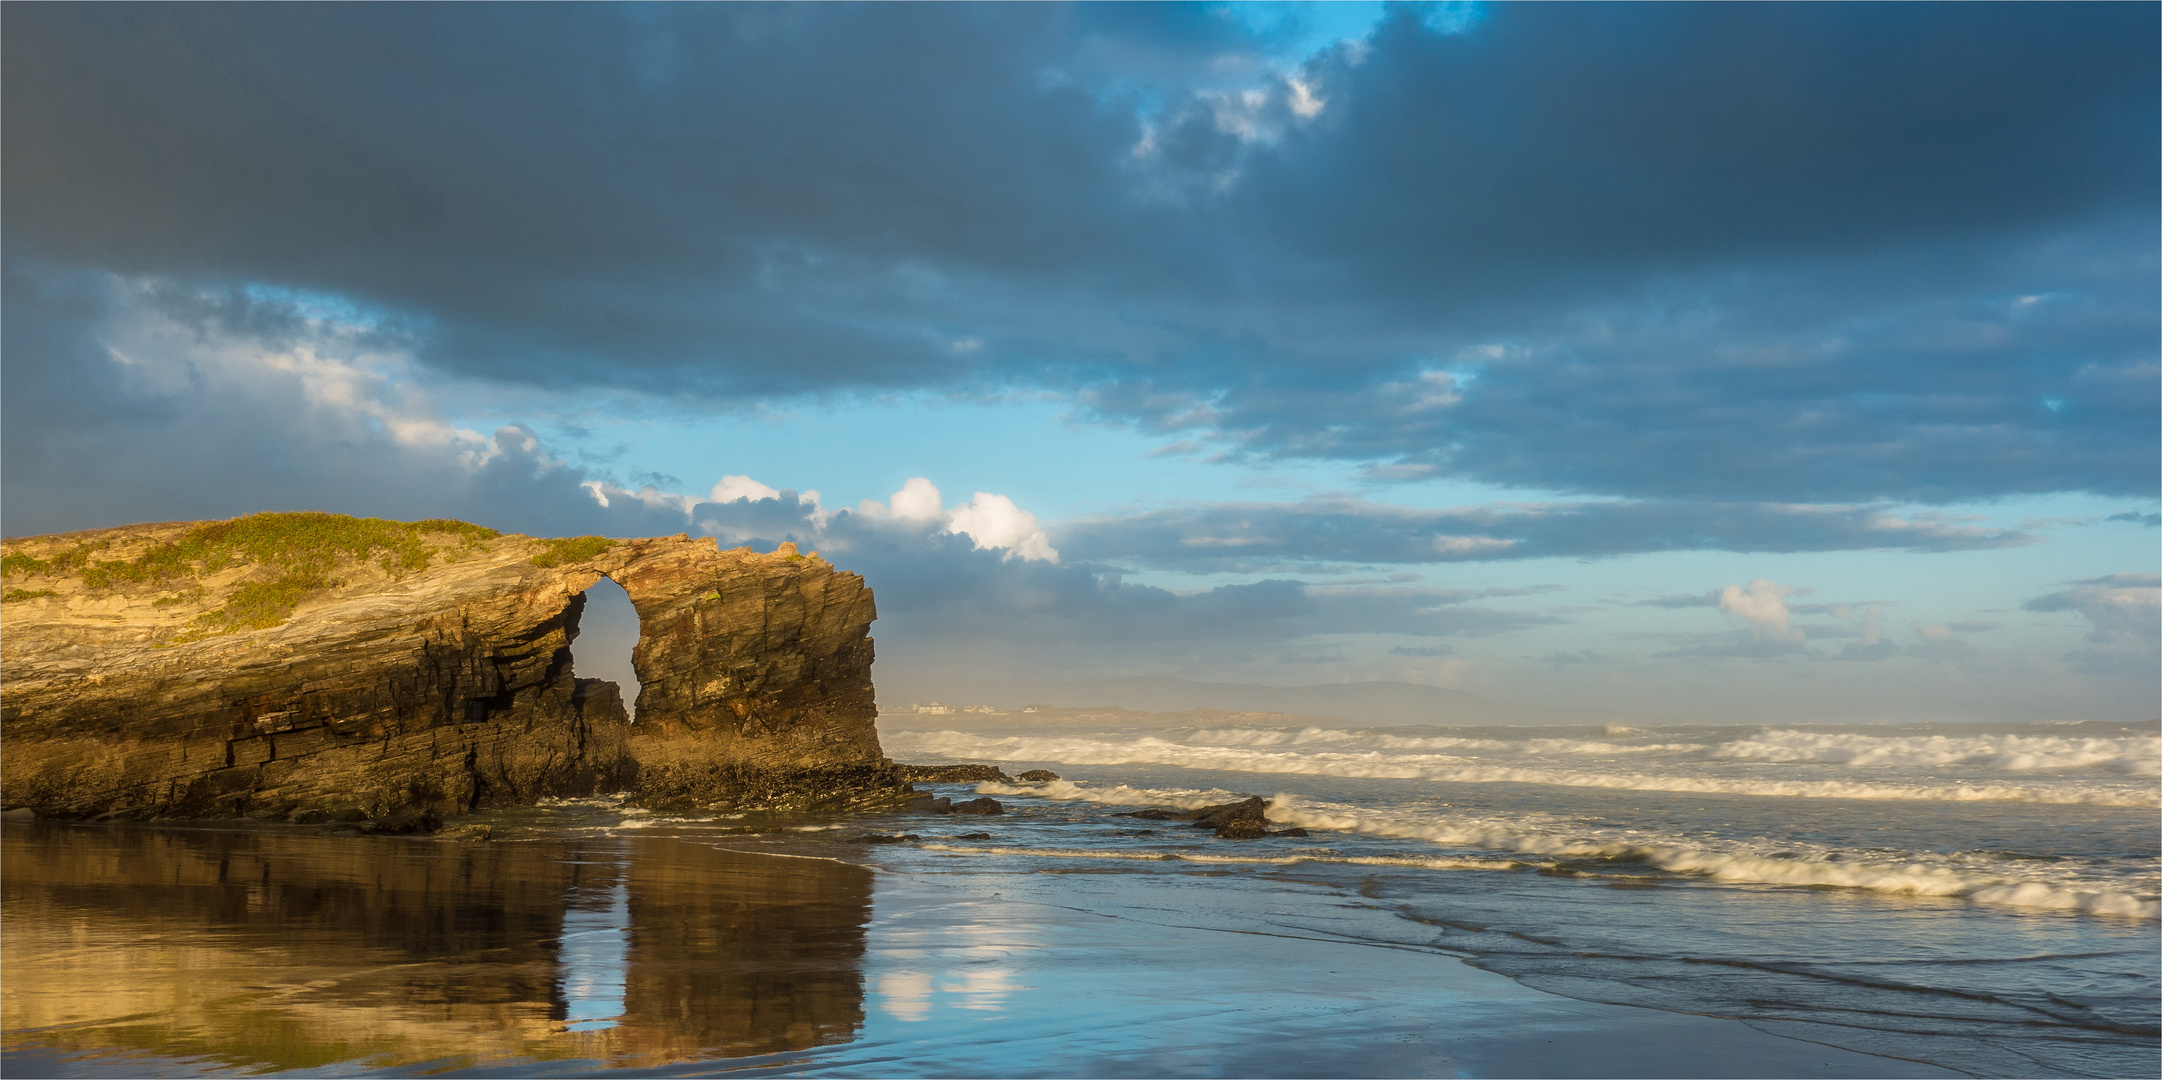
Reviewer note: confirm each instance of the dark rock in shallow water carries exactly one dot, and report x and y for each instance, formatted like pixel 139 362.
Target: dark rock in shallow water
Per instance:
pixel 883 838
pixel 1290 832
pixel 931 805
pixel 472 833
pixel 952 774
pixel 1242 820
pixel 979 806
pixel 974 836
pixel 1039 776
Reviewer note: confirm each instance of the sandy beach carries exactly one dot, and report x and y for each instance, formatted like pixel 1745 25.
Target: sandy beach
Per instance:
pixel 1119 975
pixel 148 951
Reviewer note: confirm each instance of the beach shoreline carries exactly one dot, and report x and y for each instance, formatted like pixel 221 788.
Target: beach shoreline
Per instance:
pixel 977 967
pixel 1121 981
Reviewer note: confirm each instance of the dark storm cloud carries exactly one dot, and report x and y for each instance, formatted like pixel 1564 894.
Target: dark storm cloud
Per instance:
pixel 95 437
pixel 1607 136
pixel 1735 252
pixel 701 198
pixel 222 431
pixel 1234 535
pixel 1955 372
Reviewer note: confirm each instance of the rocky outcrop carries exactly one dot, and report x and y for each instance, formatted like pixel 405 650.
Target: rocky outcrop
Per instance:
pixel 1243 820
pixel 314 667
pixel 953 774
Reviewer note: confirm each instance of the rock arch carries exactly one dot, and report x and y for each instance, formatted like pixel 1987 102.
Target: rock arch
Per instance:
pixel 605 631
pixel 449 689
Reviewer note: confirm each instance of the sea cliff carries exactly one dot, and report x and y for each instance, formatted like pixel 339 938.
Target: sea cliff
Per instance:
pixel 312 667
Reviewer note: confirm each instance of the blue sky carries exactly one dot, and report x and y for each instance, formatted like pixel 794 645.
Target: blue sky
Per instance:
pixel 1782 361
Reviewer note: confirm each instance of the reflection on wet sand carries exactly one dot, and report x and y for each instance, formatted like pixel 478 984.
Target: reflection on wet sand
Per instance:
pixel 266 950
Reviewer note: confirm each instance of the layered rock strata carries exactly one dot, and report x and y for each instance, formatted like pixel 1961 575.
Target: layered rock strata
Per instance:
pixel 149 671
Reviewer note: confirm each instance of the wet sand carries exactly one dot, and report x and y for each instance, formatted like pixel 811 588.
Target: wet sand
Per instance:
pixel 194 952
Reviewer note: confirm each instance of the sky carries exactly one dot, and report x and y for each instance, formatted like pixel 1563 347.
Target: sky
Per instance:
pixel 1746 362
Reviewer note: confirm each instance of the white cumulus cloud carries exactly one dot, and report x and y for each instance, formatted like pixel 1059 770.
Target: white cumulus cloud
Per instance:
pixel 1763 605
pixel 732 488
pixel 993 521
pixel 919 500
pixel 990 520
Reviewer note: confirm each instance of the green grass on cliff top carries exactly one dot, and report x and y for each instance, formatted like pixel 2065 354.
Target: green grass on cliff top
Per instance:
pixel 305 549
pixel 571 549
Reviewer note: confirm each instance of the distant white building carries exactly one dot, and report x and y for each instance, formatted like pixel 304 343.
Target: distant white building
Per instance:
pixel 932 708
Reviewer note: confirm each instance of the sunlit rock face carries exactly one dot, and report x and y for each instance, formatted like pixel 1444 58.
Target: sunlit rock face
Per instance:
pixel 310 667
pixel 754 676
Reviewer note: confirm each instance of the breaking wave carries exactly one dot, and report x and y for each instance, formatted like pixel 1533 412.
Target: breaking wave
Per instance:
pixel 1990 878
pixel 1206 857
pixel 1977 877
pixel 2136 755
pixel 1320 736
pixel 1210 750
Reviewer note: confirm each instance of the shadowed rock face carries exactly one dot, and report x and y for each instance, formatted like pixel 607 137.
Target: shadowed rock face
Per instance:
pixel 445 686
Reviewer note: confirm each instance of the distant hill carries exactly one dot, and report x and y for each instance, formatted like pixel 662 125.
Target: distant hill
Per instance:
pixel 1362 702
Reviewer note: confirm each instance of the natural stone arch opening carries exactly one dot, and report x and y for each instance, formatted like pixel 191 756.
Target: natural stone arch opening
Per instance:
pixel 607 630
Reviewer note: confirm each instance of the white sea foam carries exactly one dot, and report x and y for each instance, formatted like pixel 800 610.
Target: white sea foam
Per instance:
pixel 1120 795
pixel 1311 736
pixel 2136 755
pixel 1977 877
pixel 1685 776
pixel 644 819
pixel 1304 856
pixel 1973 878
pixel 1318 736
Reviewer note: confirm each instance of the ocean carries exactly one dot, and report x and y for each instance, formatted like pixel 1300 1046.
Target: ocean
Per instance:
pixel 1715 900
pixel 1983 897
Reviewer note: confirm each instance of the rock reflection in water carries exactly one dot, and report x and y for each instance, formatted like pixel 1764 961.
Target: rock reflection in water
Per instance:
pixel 260 949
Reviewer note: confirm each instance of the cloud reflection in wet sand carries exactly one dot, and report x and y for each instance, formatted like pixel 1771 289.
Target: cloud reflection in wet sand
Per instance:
pixel 971 954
